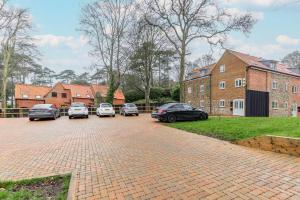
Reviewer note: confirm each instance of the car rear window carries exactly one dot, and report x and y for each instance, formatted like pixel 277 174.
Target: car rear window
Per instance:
pixel 131 105
pixel 40 106
pixel 105 105
pixel 78 105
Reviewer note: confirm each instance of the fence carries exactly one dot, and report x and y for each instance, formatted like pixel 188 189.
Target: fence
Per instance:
pixel 23 112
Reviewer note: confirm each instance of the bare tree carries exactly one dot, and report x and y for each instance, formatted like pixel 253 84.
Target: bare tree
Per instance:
pixel 15 40
pixel 184 21
pixel 106 24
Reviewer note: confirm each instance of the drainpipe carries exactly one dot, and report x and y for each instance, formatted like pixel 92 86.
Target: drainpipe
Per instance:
pixel 210 98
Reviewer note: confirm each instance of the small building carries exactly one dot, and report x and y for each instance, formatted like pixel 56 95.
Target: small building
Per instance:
pixel 243 85
pixel 63 95
pixel 28 95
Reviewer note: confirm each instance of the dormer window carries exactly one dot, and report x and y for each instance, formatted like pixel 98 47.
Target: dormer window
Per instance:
pixel 25 96
pixel 77 95
pixel 88 96
pixel 273 66
pixel 38 97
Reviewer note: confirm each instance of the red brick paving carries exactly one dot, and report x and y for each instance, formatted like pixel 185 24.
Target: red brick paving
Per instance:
pixel 137 158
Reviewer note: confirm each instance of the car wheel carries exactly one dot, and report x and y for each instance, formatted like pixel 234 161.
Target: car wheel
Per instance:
pixel 125 114
pixel 70 117
pixel 137 114
pixel 54 117
pixel 171 118
pixel 31 119
pixel 86 116
pixel 114 115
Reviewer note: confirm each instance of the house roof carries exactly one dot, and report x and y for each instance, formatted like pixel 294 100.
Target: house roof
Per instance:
pixel 79 91
pixel 30 91
pixel 201 71
pixel 260 63
pixel 103 90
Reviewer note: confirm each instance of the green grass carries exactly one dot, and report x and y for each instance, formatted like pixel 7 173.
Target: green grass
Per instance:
pixel 35 189
pixel 233 129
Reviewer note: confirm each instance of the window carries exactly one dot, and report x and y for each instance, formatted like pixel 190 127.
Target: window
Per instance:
pixel 222 103
pixel 274 85
pixel 189 90
pixel 286 87
pixel 222 85
pixel 222 68
pixel 286 105
pixel 54 94
pixel 294 89
pixel 275 105
pixel 25 96
pixel 88 96
pixel 187 106
pixel 238 82
pixel 273 66
pixel 201 88
pixel 78 95
pixel 202 104
pixel 64 95
pixel 38 97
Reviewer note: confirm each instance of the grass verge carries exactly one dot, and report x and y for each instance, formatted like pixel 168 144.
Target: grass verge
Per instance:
pixel 233 129
pixel 55 187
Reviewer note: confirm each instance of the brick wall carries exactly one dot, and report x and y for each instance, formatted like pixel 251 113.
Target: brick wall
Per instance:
pixel 27 103
pixel 234 69
pixel 88 102
pixel 197 97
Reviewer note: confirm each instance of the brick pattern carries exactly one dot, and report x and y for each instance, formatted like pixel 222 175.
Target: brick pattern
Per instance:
pixel 137 158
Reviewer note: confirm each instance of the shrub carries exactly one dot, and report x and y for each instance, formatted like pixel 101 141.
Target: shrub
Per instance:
pixel 133 95
pixel 176 93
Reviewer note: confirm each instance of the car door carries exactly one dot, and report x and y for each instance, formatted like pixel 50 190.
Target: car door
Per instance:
pixel 178 111
pixel 189 112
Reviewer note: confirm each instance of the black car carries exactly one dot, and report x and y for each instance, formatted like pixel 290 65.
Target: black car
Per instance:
pixel 173 112
pixel 43 111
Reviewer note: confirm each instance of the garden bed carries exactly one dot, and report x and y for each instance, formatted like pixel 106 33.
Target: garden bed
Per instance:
pixel 54 188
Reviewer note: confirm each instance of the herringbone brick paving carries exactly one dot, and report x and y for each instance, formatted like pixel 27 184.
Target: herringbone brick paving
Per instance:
pixel 137 158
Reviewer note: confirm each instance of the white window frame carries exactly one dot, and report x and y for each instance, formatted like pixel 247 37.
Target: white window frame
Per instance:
pixel 273 105
pixel 222 68
pixel 286 105
pixel 286 87
pixel 38 97
pixel 202 88
pixel 274 85
pixel 222 85
pixel 25 96
pixel 238 80
pixel 222 103
pixel 78 95
pixel 190 90
pixel 294 89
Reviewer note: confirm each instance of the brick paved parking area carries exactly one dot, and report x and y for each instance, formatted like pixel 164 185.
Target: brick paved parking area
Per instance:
pixel 138 158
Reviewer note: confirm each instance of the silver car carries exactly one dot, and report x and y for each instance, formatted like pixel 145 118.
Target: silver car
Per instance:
pixel 43 111
pixel 129 109
pixel 78 109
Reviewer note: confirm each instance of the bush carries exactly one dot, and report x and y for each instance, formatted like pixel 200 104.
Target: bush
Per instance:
pixel 133 95
pixel 157 93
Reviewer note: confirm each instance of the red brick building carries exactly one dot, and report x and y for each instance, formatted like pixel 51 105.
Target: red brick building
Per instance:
pixel 62 95
pixel 243 85
pixel 28 95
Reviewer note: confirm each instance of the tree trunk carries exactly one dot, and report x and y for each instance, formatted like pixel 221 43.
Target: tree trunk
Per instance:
pixel 181 74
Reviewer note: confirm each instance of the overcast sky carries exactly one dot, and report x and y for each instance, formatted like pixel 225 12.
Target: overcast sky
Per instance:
pixel 63 47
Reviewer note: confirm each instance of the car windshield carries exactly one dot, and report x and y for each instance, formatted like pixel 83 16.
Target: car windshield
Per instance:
pixel 76 105
pixel 105 105
pixel 42 106
pixel 131 105
pixel 165 106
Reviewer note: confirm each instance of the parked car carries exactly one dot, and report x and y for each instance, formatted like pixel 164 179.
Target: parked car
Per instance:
pixel 129 109
pixel 173 112
pixel 43 111
pixel 105 109
pixel 78 109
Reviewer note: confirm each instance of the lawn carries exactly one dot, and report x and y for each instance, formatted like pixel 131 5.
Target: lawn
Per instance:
pixel 55 187
pixel 233 129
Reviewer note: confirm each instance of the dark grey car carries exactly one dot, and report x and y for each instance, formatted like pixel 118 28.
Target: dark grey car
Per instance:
pixel 129 109
pixel 43 111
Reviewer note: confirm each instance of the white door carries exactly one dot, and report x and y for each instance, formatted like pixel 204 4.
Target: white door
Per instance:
pixel 239 107
pixel 294 110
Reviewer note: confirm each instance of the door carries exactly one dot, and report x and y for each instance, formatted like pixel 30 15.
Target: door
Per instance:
pixel 239 107
pixel 294 110
pixel 257 104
